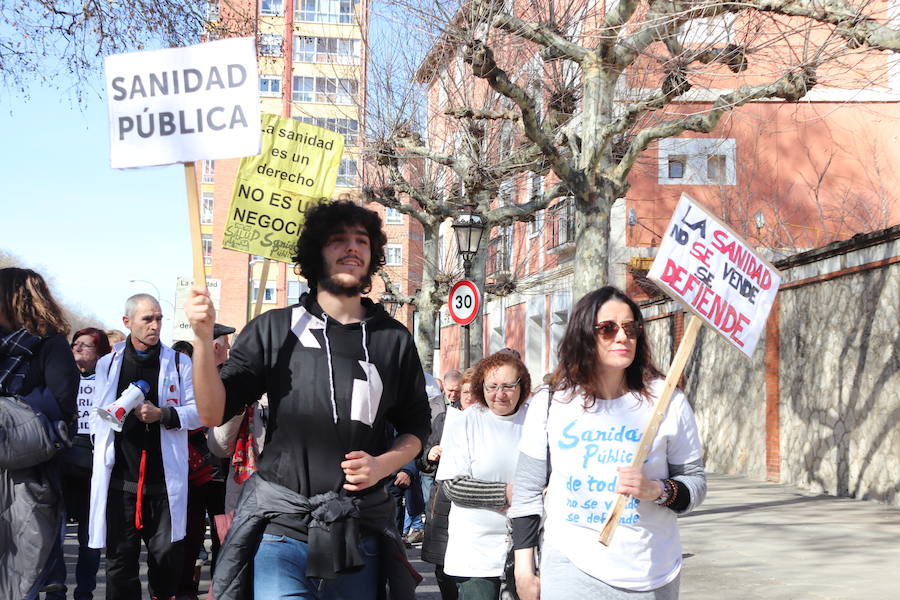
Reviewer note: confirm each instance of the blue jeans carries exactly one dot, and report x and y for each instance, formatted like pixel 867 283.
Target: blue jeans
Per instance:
pixel 279 571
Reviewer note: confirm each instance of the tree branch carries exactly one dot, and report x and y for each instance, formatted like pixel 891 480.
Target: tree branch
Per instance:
pixel 791 87
pixel 390 288
pixel 540 34
pixel 473 113
pixel 525 212
pixel 481 58
pixel 848 20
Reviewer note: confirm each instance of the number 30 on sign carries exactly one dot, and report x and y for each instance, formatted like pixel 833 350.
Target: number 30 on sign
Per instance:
pixel 464 302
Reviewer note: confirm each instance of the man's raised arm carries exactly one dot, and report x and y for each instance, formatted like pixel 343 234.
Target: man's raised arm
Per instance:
pixel 209 393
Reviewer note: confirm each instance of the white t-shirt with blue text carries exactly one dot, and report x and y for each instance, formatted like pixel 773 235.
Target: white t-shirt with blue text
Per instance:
pixel 587 445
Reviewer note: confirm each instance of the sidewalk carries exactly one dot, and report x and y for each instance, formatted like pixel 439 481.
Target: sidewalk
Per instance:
pixel 753 540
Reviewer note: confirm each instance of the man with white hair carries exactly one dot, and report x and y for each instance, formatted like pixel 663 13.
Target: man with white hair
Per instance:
pixel 139 480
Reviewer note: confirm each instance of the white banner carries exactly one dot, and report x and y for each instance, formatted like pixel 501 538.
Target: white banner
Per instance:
pixel 716 275
pixel 181 328
pixel 183 104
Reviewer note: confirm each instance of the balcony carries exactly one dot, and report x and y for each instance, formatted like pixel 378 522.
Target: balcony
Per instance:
pixel 499 255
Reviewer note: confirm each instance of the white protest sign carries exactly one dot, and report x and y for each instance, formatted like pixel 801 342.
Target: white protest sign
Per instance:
pixel 716 274
pixel 183 104
pixel 181 329
pixel 85 401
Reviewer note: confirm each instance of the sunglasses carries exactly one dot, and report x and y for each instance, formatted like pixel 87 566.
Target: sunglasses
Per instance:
pixel 608 330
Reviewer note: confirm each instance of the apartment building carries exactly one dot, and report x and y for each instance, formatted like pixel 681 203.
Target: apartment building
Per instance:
pixel 312 67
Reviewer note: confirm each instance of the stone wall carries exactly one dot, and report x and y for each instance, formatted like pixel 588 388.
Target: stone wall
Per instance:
pixel 834 408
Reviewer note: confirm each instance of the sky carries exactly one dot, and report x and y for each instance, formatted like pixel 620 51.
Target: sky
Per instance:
pixel 89 229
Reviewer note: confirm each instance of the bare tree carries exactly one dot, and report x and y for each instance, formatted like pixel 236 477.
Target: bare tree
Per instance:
pixel 636 72
pixel 62 42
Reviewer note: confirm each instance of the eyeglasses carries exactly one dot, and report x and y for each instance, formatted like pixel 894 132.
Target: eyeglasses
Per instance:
pixel 78 345
pixel 490 388
pixel 608 330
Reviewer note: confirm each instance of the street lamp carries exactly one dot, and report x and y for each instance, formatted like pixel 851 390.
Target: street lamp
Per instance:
pixel 390 302
pixel 469 228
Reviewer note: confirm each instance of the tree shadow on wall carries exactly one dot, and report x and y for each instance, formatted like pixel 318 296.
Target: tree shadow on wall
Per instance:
pixel 850 317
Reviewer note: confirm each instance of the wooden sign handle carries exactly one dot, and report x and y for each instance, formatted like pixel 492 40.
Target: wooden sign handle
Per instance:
pixel 261 290
pixel 190 181
pixel 659 411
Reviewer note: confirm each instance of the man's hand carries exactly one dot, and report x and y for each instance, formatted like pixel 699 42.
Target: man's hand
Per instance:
pixel 362 470
pixel 200 313
pixel 434 454
pixel 402 479
pixel 147 413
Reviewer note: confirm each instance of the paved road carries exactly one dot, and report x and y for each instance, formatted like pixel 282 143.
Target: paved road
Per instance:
pixel 755 540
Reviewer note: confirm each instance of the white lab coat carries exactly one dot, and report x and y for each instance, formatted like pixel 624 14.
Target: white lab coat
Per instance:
pixel 174 442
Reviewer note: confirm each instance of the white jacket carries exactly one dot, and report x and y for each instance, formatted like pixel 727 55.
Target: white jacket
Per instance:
pixel 174 390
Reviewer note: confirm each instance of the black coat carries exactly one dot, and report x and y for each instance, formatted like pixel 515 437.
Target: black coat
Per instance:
pixel 434 545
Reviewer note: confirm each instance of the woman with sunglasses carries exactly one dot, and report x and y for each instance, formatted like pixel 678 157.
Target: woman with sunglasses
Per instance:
pixel 588 424
pixel 477 463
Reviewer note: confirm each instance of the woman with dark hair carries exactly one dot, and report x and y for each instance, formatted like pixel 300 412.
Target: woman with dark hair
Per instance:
pixel 476 467
pixel 589 424
pixel 37 366
pixel 88 345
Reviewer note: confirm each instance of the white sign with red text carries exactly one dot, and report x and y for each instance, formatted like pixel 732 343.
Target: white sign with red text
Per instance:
pixel 716 274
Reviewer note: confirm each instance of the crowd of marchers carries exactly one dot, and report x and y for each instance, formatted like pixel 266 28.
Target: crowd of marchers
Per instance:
pixel 314 456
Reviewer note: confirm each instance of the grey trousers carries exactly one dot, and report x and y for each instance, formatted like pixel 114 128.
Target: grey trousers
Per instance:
pixel 561 580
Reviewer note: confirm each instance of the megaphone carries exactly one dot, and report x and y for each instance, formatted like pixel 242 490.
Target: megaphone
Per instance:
pixel 133 395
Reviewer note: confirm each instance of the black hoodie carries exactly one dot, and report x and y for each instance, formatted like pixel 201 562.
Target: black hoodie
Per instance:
pixel 356 388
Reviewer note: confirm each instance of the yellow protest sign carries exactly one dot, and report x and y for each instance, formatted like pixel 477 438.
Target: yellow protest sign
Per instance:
pixel 297 167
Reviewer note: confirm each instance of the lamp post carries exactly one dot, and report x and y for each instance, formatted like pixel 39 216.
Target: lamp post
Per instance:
pixel 391 304
pixel 153 285
pixel 469 228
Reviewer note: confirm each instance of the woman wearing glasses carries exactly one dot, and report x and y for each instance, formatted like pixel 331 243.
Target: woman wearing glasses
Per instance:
pixel 589 423
pixel 477 464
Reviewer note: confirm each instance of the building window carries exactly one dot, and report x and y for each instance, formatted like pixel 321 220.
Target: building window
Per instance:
pixel 325 90
pixel 270 44
pixel 392 216
pixel 561 222
pixel 349 128
pixel 270 296
pixel 697 161
pixel 393 255
pixel 304 89
pixel 676 166
pixel 206 210
pixel 212 11
pixel 347 173
pixel 505 192
pixel 500 251
pixel 716 167
pixel 206 243
pixel 271 7
pixel 336 90
pixel 269 85
pixel 536 226
pixel 344 51
pixel 209 171
pixel 295 289
pixel 326 11
pixel 537 191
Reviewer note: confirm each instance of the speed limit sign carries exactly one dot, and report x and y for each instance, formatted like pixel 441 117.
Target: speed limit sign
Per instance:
pixel 464 302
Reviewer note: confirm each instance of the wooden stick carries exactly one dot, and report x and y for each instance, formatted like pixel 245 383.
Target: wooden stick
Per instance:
pixel 659 411
pixel 261 291
pixel 190 182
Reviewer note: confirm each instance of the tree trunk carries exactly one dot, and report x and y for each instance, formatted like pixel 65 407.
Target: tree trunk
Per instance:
pixel 592 211
pixel 426 306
